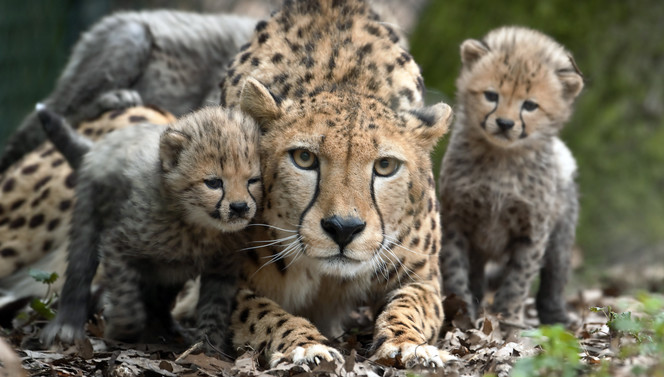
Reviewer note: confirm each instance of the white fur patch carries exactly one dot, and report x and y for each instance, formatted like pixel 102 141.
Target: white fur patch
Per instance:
pixel 564 160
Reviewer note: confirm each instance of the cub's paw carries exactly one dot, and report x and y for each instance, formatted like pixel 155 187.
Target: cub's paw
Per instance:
pixel 117 99
pixel 312 354
pixel 65 332
pixel 411 355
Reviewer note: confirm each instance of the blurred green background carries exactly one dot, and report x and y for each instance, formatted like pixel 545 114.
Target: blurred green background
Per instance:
pixel 616 133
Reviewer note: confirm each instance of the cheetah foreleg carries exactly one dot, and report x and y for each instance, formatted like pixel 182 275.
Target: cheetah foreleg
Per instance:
pixel 264 326
pixel 455 262
pixel 409 325
pixel 217 292
pixel 523 265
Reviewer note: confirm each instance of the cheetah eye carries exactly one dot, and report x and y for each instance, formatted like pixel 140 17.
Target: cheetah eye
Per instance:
pixel 386 166
pixel 491 96
pixel 214 183
pixel 254 180
pixel 304 159
pixel 529 105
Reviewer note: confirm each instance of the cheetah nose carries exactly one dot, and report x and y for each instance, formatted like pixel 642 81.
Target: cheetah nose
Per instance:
pixel 238 209
pixel 342 229
pixel 505 124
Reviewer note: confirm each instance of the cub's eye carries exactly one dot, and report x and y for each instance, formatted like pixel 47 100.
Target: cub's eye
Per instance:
pixel 304 159
pixel 214 183
pixel 254 180
pixel 386 166
pixel 491 96
pixel 529 105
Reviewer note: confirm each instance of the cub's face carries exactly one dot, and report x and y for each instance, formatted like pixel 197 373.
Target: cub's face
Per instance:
pixel 212 168
pixel 342 173
pixel 515 96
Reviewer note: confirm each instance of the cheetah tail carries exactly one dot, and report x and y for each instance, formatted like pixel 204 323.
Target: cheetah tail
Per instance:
pixel 72 145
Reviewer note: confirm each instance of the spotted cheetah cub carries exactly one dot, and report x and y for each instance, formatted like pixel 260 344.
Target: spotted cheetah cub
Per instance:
pixel 154 204
pixel 507 181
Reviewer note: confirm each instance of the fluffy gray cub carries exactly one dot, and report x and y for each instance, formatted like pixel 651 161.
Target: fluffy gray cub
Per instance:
pixel 155 205
pixel 170 59
pixel 507 181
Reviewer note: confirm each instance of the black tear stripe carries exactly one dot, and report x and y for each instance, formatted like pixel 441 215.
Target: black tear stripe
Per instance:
pixel 380 215
pixel 523 126
pixel 311 204
pixel 489 114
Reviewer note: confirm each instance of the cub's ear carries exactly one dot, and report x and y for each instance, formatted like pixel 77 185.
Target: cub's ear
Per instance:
pixel 428 124
pixel 171 145
pixel 472 50
pixel 572 80
pixel 257 101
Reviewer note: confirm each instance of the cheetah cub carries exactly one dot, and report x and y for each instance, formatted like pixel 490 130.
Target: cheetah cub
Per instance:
pixel 154 204
pixel 507 185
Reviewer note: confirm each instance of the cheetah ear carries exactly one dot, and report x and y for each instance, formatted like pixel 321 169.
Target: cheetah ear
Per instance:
pixel 171 145
pixel 472 50
pixel 428 124
pixel 257 101
pixel 572 80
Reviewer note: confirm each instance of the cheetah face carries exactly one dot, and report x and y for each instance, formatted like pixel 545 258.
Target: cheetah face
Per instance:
pixel 341 172
pixel 514 96
pixel 213 170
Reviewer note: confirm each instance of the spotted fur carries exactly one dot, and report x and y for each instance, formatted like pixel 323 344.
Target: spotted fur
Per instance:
pixel 36 201
pixel 153 205
pixel 171 59
pixel 350 215
pixel 507 181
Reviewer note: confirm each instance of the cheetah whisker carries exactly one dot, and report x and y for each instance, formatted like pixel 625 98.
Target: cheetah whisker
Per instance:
pixel 273 227
pixel 268 243
pixel 407 270
pixel 394 241
pixel 293 246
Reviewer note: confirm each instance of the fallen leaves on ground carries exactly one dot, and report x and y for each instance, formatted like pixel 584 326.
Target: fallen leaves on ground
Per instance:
pixel 488 346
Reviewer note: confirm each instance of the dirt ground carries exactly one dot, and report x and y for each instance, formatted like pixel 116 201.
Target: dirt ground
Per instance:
pixel 490 346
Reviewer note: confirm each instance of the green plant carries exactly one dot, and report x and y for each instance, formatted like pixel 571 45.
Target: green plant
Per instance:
pixel 42 307
pixel 559 356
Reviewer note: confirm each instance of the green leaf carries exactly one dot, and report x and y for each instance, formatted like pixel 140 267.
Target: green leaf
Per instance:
pixel 42 309
pixel 43 276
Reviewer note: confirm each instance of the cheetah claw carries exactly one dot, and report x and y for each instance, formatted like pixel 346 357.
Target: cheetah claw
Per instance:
pixel 313 354
pixel 414 355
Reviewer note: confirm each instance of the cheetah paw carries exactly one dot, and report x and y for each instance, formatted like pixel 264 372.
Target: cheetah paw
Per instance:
pixel 313 355
pixel 412 355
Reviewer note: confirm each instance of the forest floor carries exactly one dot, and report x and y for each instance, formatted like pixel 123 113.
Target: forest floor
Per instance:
pixel 609 336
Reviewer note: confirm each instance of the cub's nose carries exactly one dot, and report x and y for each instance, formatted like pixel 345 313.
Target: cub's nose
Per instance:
pixel 342 229
pixel 505 124
pixel 237 209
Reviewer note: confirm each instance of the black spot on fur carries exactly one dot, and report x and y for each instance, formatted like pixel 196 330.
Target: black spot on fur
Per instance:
pixel 137 119
pixel 53 224
pixel 17 223
pixel 244 57
pixel 65 205
pixel 244 315
pixel 16 204
pixel 261 26
pixel 36 221
pixel 8 252
pixel 276 58
pixel 30 169
pixel 40 183
pixel 48 152
pixel 9 185
pixel 70 180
